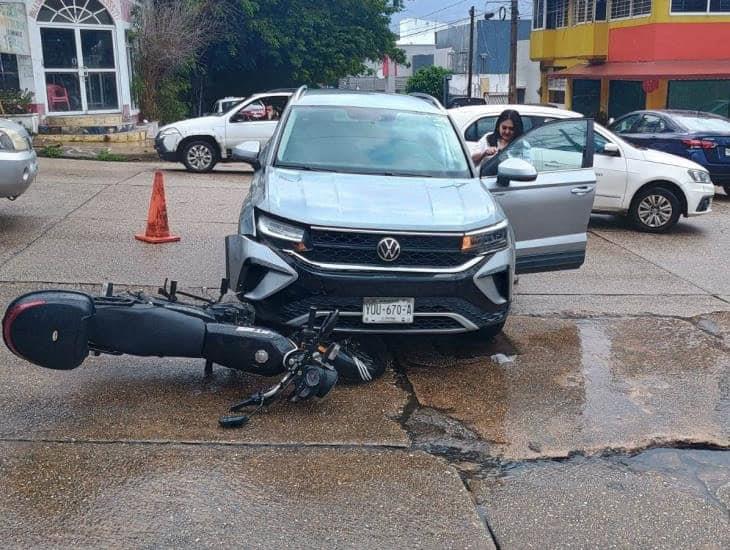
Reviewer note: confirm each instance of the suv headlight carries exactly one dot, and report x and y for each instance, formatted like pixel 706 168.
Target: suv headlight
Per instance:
pixel 279 230
pixel 699 176
pixel 12 140
pixel 484 241
pixel 168 132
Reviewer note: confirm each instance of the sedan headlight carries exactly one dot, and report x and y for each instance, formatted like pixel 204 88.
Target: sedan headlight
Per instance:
pixel 484 241
pixel 282 231
pixel 12 140
pixel 699 176
pixel 168 132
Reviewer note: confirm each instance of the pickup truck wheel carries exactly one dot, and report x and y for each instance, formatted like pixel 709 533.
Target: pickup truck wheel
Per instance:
pixel 655 210
pixel 199 156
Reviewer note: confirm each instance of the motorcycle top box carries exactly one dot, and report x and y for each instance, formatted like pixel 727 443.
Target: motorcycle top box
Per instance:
pixel 50 329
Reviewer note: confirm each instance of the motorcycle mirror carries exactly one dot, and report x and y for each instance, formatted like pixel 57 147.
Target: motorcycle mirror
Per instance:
pixel 329 324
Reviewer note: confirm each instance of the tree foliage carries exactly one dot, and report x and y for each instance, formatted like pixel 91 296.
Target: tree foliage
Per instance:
pixel 266 44
pixel 429 80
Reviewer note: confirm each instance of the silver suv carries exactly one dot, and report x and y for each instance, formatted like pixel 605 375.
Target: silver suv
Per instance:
pixel 369 203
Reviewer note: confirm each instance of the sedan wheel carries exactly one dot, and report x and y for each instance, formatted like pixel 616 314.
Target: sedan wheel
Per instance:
pixel 655 210
pixel 200 156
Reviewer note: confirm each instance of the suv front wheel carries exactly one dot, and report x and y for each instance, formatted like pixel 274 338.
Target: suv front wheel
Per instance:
pixel 199 156
pixel 655 210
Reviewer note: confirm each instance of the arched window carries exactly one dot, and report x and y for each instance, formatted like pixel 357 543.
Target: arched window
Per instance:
pixel 88 12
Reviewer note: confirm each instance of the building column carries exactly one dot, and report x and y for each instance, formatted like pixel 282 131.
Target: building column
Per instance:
pixel 658 98
pixel 604 95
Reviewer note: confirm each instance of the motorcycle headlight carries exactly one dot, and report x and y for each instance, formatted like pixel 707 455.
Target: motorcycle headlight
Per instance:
pixel 282 231
pixel 12 140
pixel 487 240
pixel 699 176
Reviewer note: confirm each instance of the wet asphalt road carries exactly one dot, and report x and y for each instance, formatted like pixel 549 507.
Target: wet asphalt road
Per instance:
pixel 606 423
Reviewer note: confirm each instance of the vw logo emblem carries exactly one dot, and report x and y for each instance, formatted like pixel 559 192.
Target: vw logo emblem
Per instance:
pixel 388 249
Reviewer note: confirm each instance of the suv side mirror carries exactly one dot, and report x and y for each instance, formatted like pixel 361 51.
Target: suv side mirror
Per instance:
pixel 515 169
pixel 248 152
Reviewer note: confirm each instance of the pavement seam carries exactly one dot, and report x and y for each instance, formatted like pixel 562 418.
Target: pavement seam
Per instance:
pixel 58 221
pixel 622 247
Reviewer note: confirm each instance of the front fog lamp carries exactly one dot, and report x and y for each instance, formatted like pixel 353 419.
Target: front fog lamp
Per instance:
pixel 699 176
pixel 486 240
pixel 282 231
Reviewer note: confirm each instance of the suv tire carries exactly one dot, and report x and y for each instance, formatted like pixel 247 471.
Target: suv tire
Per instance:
pixel 199 156
pixel 655 210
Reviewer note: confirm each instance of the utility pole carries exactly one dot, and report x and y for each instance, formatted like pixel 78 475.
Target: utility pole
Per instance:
pixel 471 49
pixel 513 54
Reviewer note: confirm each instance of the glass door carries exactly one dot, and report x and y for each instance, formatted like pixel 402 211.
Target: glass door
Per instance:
pixel 61 65
pixel 98 69
pixel 80 70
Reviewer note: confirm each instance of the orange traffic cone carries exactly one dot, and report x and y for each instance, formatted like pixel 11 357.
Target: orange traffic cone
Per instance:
pixel 157 229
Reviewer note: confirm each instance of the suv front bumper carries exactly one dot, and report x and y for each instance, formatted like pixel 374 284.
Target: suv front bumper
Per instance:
pixel 282 289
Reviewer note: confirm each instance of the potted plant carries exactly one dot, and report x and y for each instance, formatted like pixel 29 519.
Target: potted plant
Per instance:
pixel 15 105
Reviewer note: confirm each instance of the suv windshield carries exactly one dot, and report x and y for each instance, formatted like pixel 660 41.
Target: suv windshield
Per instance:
pixel 372 141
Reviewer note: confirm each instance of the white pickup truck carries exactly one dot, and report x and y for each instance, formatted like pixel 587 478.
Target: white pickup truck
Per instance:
pixel 200 143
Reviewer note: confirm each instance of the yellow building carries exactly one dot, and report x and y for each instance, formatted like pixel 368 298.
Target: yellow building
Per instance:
pixel 617 56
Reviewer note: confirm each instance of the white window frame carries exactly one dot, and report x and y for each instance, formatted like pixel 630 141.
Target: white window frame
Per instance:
pixel 588 11
pixel 610 17
pixel 706 12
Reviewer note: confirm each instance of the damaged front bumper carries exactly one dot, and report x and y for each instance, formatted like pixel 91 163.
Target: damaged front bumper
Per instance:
pixel 282 289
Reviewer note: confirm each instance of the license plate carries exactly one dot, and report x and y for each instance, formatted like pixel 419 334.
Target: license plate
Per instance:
pixel 727 151
pixel 387 310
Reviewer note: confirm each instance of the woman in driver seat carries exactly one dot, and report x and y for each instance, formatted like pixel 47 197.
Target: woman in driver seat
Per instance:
pixel 507 128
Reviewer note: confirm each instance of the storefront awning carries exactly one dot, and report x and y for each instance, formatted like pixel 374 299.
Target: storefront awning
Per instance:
pixel 644 70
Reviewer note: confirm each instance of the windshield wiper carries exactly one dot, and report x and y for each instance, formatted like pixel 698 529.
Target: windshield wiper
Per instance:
pixel 305 168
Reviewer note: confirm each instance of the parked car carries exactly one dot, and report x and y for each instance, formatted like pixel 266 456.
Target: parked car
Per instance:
pixel 370 204
pixel 701 137
pixel 200 143
pixel 226 104
pixel 18 162
pixel 653 188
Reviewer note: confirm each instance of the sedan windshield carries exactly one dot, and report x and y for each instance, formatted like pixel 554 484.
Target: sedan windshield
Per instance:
pixel 372 141
pixel 703 124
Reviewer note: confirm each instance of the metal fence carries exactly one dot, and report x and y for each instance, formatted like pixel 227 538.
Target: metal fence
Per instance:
pixel 372 83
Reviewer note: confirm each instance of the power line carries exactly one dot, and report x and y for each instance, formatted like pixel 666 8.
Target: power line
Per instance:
pixel 437 27
pixel 439 10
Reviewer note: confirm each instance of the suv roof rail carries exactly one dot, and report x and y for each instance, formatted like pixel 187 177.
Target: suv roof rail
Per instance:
pixel 427 97
pixel 300 92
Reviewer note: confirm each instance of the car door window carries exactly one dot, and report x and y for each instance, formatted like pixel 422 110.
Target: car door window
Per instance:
pixel 251 112
pixel 485 125
pixel 549 148
pixel 625 125
pixel 650 124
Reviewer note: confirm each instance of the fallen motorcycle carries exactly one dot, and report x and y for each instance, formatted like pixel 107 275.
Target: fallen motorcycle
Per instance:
pixel 58 329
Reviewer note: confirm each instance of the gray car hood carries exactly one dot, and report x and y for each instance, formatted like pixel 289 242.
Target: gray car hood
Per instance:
pixel 379 202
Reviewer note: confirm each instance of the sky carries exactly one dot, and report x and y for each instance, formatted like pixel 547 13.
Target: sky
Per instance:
pixel 451 10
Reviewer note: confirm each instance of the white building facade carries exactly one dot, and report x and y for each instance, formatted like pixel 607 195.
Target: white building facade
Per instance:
pixel 73 55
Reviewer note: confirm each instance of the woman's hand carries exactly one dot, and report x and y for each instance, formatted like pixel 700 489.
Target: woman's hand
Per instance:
pixel 490 151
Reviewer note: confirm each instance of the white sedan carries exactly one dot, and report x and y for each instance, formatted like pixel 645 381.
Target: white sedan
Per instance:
pixel 653 188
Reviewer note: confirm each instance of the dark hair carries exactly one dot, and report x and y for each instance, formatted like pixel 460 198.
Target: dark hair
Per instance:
pixel 507 114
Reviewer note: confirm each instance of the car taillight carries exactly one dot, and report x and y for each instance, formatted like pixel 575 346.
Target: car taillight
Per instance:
pixel 699 144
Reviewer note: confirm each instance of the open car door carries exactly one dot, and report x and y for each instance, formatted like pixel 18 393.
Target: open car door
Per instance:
pixel 544 181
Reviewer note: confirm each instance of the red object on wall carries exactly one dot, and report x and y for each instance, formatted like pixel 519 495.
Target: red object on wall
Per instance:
pixel 650 85
pixel 670 42
pixel 386 66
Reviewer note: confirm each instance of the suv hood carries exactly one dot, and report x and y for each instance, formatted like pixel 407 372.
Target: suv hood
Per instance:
pixel 379 202
pixel 196 123
pixel 660 157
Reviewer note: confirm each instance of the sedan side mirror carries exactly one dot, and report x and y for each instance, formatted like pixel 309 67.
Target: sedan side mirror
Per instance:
pixel 611 149
pixel 248 152
pixel 515 169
